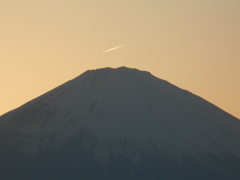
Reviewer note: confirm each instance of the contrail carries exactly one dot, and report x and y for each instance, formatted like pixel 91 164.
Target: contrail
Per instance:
pixel 114 48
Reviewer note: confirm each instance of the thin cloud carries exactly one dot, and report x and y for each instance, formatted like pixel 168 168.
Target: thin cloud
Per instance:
pixel 114 48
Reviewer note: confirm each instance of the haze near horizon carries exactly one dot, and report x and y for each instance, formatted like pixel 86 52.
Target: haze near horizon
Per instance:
pixel 191 44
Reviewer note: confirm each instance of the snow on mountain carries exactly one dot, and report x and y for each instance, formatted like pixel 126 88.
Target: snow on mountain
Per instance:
pixel 125 111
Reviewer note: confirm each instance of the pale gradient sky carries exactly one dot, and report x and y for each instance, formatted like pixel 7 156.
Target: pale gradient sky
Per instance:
pixel 191 43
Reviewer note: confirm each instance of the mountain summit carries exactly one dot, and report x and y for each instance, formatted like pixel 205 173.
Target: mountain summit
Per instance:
pixel 119 124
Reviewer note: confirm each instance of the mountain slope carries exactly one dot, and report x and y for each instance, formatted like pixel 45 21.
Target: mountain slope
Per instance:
pixel 120 124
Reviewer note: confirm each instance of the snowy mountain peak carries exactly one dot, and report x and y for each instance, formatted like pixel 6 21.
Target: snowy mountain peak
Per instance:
pixel 121 72
pixel 108 115
pixel 125 111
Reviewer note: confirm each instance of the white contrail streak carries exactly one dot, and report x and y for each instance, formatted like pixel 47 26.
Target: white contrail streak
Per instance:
pixel 114 48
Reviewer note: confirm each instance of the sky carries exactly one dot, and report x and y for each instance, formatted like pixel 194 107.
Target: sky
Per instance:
pixel 190 43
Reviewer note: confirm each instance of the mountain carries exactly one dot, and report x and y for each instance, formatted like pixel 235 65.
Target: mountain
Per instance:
pixel 119 124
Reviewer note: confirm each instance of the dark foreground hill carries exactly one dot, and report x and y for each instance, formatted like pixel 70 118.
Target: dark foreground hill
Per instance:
pixel 119 124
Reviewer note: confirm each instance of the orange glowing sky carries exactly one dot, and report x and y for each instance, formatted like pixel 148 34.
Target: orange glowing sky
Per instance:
pixel 192 44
